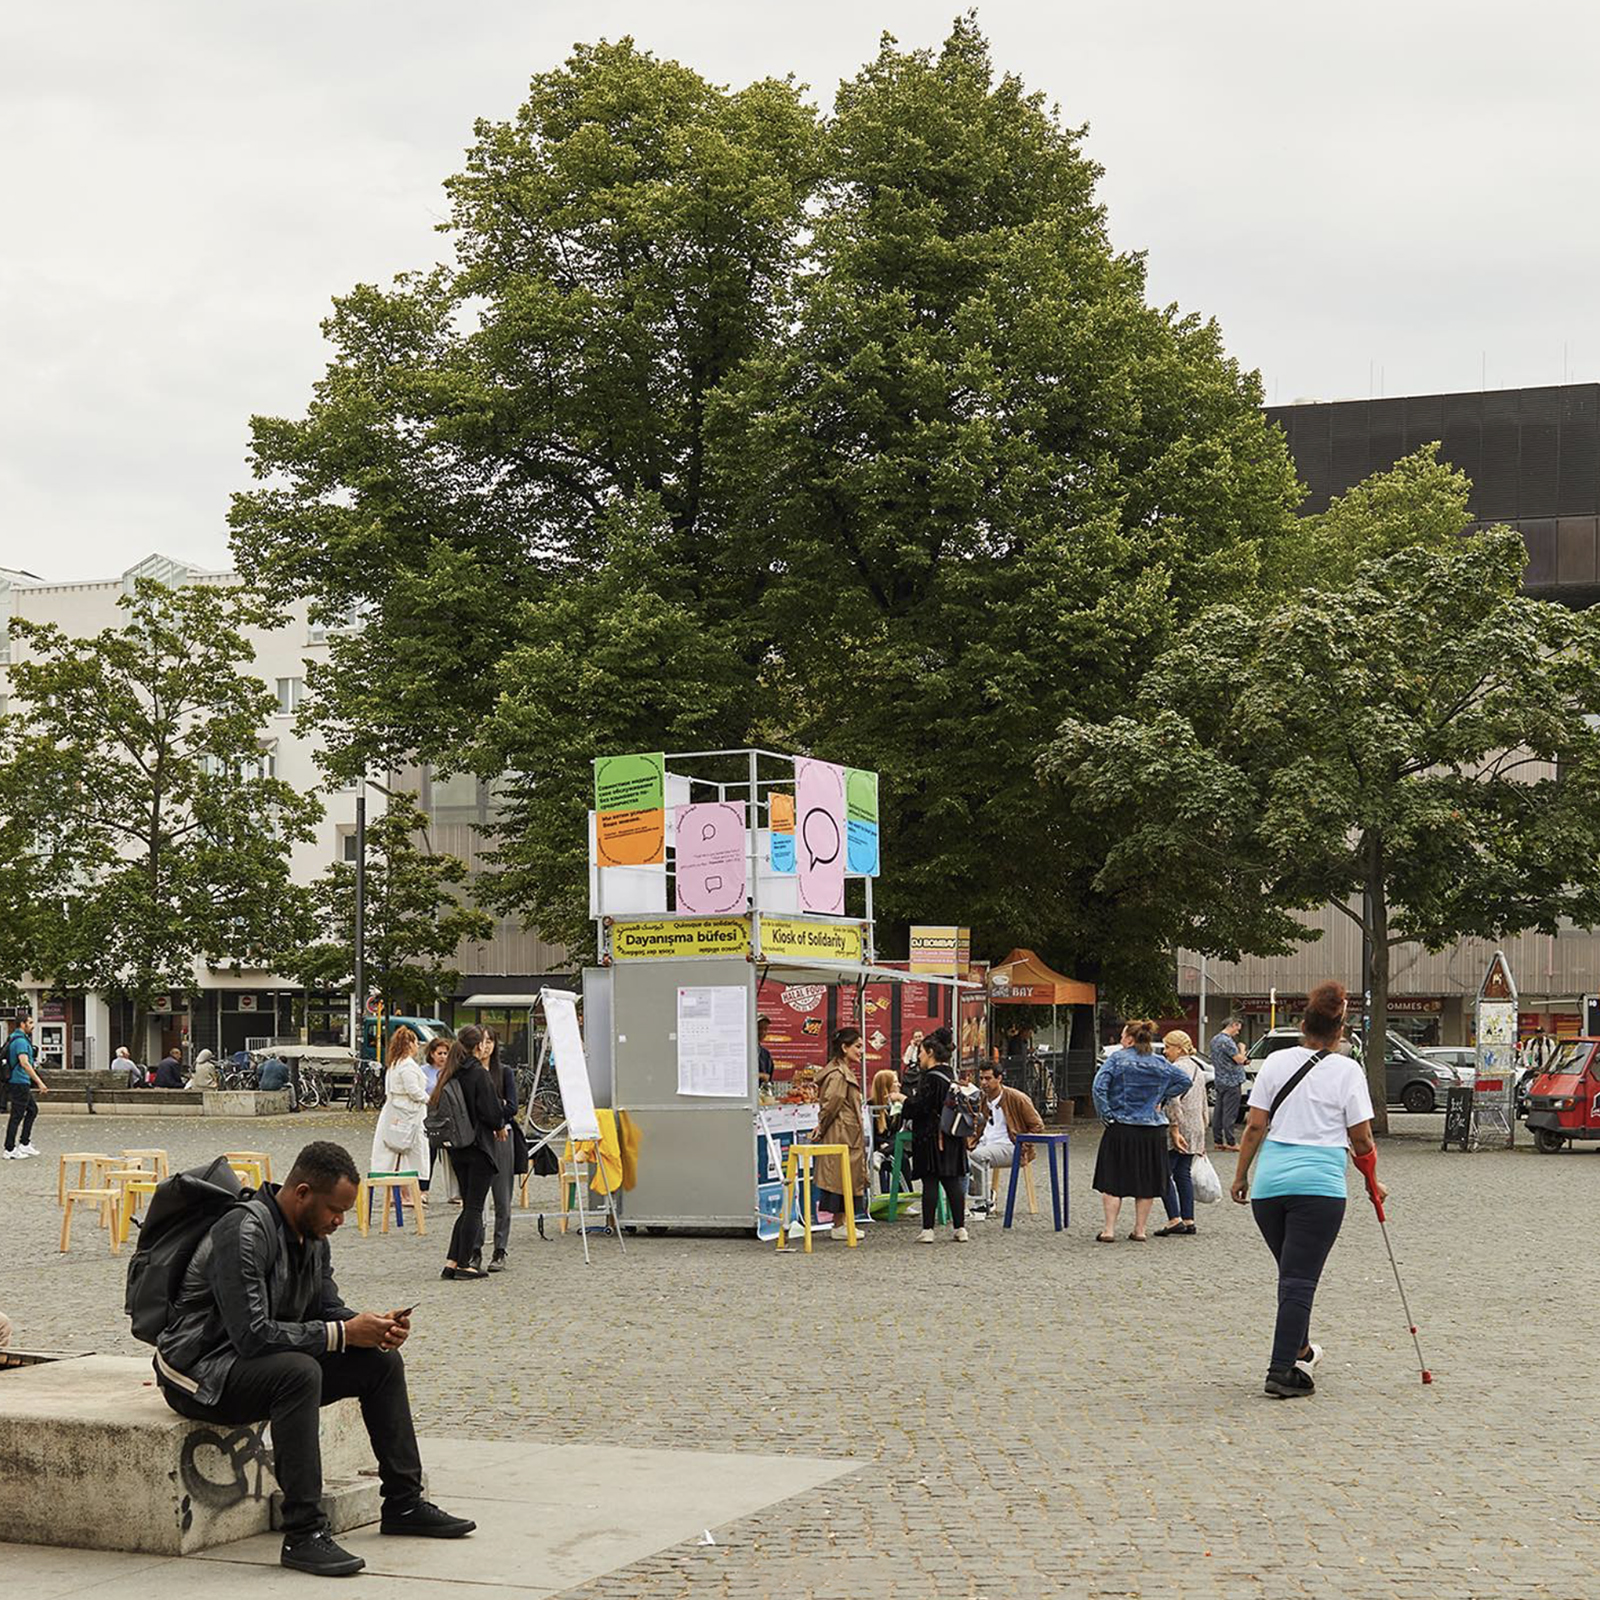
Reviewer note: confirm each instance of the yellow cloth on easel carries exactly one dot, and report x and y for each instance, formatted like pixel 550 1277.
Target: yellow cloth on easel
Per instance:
pixel 608 1170
pixel 628 1131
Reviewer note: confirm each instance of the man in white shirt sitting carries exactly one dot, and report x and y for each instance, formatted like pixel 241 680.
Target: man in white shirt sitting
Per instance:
pixel 1006 1113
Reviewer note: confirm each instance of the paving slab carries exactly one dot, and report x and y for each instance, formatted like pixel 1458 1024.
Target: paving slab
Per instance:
pixel 556 1515
pixel 1035 1414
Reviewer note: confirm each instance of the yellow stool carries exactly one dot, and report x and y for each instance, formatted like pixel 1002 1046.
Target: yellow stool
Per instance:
pixel 248 1172
pixel 806 1155
pixel 134 1185
pixel 83 1159
pixel 409 1186
pixel 106 1199
pixel 156 1160
pixel 262 1160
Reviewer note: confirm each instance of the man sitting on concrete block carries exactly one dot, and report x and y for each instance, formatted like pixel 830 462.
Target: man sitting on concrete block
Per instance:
pixel 258 1333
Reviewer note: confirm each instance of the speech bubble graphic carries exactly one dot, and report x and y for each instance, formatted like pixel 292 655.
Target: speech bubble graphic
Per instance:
pixel 819 833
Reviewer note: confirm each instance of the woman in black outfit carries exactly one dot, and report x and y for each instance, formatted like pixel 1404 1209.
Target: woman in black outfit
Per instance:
pixel 474 1164
pixel 938 1160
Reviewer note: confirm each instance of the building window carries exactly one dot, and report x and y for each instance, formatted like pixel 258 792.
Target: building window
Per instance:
pixel 291 691
pixel 316 633
pixel 347 845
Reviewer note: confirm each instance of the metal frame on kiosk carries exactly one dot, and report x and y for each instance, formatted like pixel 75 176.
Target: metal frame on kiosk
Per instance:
pixel 697 1154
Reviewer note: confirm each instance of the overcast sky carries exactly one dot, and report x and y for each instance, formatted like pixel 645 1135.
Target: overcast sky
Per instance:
pixel 1371 197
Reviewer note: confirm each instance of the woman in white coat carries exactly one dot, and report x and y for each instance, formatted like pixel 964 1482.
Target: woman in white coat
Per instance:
pixel 399 1143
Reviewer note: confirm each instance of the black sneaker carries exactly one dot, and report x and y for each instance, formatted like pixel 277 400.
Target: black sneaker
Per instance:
pixel 424 1520
pixel 1288 1383
pixel 317 1554
pixel 497 1262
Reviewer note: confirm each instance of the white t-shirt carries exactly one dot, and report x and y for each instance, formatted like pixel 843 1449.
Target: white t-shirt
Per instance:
pixel 1329 1100
pixel 995 1130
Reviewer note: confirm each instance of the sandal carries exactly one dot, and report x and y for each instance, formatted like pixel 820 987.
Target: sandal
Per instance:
pixel 1139 1238
pixel 1105 1238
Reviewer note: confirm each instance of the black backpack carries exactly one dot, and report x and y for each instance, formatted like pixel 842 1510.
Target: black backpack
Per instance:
pixel 959 1118
pixel 182 1212
pixel 448 1123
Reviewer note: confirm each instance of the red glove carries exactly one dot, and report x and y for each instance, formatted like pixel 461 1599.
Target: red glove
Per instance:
pixel 1367 1166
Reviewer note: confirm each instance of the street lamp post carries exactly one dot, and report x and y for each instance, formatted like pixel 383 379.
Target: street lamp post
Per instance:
pixel 358 998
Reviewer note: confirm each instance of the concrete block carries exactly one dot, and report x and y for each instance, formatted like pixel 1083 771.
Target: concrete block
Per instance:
pixel 246 1102
pixel 93 1458
pixel 346 1503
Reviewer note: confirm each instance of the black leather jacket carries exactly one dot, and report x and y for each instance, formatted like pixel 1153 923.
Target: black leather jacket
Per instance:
pixel 251 1289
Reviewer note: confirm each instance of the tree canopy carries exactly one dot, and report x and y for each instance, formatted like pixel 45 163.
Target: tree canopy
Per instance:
pixel 143 828
pixel 732 422
pixel 1405 736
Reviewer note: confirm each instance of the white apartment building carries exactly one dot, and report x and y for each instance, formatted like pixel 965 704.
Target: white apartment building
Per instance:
pixel 224 1009
pixel 221 1007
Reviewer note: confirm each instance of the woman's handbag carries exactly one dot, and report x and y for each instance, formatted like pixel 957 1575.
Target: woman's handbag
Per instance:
pixel 519 1149
pixel 1207 1185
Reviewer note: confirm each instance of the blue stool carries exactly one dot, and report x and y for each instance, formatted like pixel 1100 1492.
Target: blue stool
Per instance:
pixel 1058 1185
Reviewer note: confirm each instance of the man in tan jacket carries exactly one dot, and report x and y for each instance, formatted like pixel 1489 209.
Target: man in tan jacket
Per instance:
pixel 1004 1113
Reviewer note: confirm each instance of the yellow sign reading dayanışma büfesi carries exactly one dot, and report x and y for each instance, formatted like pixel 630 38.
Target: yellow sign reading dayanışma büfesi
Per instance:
pixel 689 936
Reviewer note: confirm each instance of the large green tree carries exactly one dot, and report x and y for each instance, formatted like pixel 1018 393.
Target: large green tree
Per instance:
pixel 732 422
pixel 1406 736
pixel 413 914
pixel 147 827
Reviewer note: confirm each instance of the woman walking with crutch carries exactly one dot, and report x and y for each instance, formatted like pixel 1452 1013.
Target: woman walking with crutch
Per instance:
pixel 1308 1110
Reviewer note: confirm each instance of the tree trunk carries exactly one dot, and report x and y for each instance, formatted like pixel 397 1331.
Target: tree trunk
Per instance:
pixel 1377 982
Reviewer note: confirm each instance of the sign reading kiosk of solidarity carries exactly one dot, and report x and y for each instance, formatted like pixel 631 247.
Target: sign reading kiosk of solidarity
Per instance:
pixel 821 941
pixel 676 937
pixel 630 810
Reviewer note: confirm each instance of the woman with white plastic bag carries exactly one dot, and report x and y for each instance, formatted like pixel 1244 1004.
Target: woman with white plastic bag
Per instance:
pixel 399 1143
pixel 1189 1168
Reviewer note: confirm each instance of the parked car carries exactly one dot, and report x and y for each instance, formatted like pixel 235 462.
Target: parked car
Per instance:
pixel 1463 1057
pixel 1412 1079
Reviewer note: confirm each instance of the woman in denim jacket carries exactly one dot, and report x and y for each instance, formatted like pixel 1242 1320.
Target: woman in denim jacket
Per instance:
pixel 1129 1090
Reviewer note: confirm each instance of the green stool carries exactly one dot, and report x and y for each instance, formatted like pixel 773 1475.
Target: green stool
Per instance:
pixel 902 1143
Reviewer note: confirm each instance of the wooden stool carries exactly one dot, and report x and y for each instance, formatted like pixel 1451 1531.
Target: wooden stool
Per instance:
pixel 135 1184
pixel 106 1199
pixel 406 1185
pixel 155 1159
pixel 248 1172
pixel 84 1158
pixel 998 1175
pixel 804 1156
pixel 262 1160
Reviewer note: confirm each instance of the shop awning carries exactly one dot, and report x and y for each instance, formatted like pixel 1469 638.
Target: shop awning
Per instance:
pixel 1022 979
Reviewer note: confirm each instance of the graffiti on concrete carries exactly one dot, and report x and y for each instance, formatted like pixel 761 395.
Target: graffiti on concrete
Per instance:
pixel 215 1466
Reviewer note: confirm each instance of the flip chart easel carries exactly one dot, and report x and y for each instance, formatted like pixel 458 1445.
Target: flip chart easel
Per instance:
pixel 564 1038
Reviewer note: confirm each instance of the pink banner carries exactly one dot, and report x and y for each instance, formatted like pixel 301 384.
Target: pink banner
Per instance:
pixel 710 857
pixel 820 837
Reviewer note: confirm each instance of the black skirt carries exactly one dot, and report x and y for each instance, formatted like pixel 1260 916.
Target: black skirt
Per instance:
pixel 1132 1161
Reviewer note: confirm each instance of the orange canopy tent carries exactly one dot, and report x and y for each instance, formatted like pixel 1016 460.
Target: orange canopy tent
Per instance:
pixel 1023 979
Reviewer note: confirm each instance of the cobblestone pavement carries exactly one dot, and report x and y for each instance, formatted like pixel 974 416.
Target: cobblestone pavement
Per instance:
pixel 1033 1414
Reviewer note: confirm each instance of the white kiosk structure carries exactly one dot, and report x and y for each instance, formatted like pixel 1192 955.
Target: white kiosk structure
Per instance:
pixel 710 871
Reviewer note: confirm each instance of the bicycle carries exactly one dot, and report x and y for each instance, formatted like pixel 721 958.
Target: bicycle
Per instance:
pixel 310 1089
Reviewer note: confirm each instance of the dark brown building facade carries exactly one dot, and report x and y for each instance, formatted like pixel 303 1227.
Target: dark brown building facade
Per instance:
pixel 1533 456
